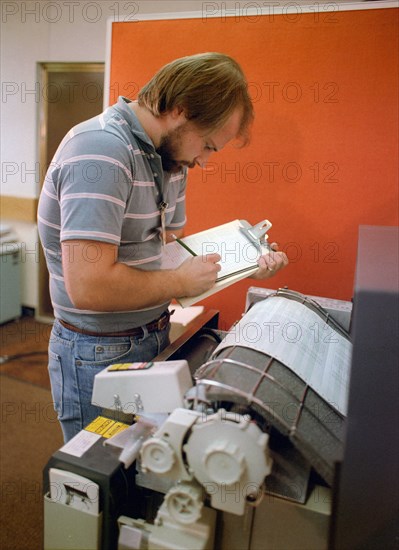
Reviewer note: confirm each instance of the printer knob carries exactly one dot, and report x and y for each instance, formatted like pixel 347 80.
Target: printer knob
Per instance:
pixel 224 462
pixel 157 456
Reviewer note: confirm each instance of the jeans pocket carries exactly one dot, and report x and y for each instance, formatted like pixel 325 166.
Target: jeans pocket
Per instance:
pixel 57 382
pixel 112 353
pixel 102 353
pixel 92 358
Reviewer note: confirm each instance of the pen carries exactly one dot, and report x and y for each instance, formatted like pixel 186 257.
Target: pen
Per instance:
pixel 183 245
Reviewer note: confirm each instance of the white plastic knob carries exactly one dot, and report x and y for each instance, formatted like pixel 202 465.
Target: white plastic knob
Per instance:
pixel 224 463
pixel 184 504
pixel 157 456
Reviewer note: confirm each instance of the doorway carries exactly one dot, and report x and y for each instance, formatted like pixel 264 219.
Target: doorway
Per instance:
pixel 70 93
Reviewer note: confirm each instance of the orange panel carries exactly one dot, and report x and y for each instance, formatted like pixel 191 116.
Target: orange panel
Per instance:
pixel 323 155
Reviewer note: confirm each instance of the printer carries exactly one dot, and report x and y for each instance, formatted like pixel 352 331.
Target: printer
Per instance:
pixel 279 433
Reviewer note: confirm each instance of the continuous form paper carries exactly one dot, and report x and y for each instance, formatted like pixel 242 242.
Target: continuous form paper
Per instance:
pixel 300 339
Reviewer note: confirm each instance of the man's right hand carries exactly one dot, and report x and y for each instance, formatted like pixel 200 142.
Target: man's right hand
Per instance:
pixel 198 274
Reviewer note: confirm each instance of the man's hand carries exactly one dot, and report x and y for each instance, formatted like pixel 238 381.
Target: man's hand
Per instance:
pixel 199 274
pixel 270 263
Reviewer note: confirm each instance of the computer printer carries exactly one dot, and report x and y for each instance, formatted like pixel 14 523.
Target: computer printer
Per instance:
pixel 245 439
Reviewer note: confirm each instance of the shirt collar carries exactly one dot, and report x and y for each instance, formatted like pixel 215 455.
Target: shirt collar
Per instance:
pixel 123 106
pixel 134 123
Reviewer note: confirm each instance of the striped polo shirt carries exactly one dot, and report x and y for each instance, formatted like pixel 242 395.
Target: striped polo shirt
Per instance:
pixel 106 183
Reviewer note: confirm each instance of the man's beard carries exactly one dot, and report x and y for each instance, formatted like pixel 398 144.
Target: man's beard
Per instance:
pixel 168 150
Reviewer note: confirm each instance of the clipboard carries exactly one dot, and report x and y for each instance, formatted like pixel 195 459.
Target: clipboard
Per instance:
pixel 257 233
pixel 239 244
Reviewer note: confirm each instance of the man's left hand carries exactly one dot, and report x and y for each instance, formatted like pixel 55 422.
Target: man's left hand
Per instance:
pixel 270 263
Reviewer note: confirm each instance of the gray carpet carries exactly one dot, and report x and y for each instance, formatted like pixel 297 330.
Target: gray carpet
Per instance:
pixel 29 434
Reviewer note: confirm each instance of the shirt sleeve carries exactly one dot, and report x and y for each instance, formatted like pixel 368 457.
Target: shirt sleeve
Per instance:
pixel 94 181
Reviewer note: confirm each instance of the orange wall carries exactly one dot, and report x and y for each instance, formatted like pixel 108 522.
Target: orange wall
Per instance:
pixel 323 155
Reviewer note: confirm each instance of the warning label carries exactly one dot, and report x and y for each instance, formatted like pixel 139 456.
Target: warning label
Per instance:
pixel 106 427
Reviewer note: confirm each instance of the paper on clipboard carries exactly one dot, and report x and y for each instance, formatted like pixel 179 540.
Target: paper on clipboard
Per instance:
pixel 239 254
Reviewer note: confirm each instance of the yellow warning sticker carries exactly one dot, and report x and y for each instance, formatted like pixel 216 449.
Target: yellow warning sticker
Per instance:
pixel 106 427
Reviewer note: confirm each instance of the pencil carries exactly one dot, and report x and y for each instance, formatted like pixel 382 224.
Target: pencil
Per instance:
pixel 184 245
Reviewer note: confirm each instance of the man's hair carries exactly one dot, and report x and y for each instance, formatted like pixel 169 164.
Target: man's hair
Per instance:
pixel 207 86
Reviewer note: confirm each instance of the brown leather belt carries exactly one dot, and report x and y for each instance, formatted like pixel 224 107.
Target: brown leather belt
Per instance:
pixel 159 324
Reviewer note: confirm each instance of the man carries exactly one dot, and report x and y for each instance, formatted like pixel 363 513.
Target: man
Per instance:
pixel 114 191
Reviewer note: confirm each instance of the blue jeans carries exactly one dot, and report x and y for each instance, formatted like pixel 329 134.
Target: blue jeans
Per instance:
pixel 74 360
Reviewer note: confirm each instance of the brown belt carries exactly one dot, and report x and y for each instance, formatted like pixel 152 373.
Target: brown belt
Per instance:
pixel 159 324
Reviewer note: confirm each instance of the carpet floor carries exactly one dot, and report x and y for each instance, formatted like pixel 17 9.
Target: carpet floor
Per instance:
pixel 29 433
pixel 24 345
